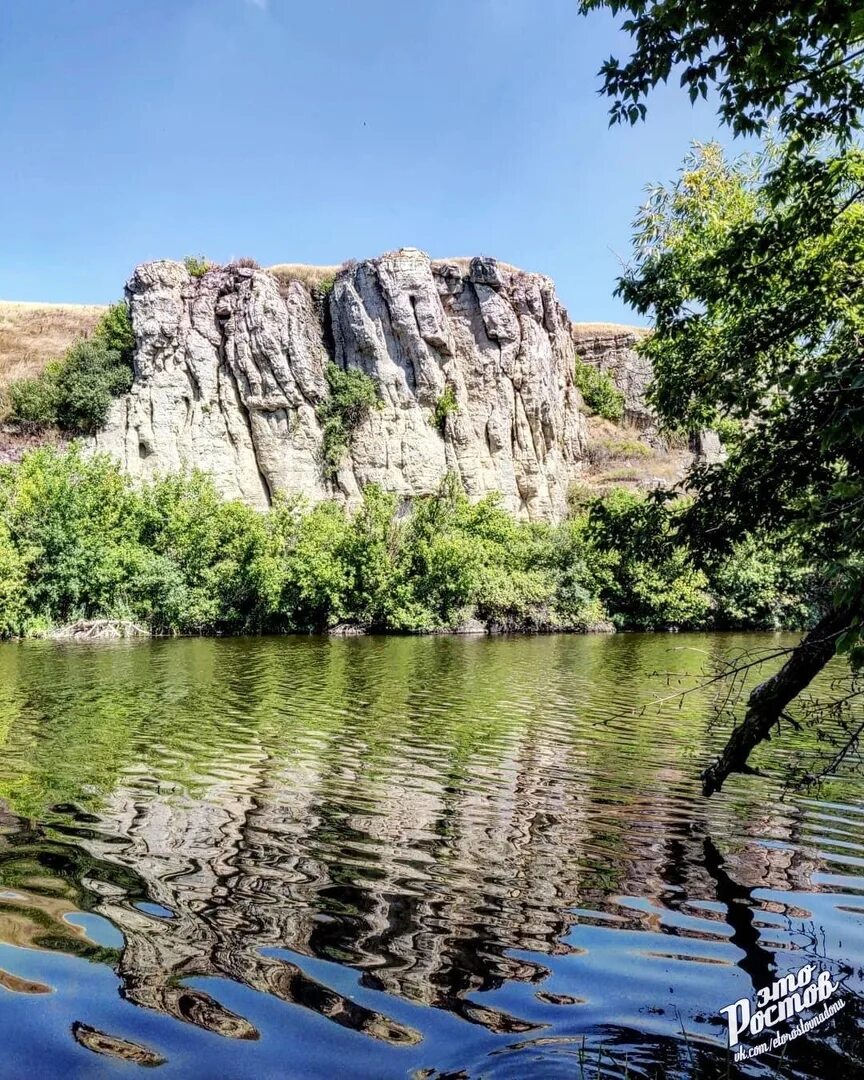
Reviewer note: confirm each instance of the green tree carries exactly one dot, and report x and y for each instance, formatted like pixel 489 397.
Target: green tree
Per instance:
pixel 765 582
pixel 209 562
pixel 75 392
pixel 316 580
pixel 643 576
pixel 758 309
pixel 798 62
pixel 87 381
pixel 114 331
pixel 13 586
pixel 752 274
pixel 72 520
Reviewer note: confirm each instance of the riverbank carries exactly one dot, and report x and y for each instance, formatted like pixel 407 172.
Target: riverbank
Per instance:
pixel 92 630
pixel 81 541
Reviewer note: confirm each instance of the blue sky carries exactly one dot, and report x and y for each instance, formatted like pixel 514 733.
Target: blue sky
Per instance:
pixel 318 132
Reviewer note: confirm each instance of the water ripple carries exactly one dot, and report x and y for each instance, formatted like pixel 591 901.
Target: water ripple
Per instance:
pixel 401 857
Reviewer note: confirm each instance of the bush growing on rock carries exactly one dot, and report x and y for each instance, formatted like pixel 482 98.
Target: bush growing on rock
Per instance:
pixel 197 265
pixel 599 392
pixel 352 395
pixel 76 391
pixel 445 406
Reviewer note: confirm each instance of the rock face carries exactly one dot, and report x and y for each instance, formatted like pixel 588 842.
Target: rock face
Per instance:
pixel 228 371
pixel 231 369
pixel 612 349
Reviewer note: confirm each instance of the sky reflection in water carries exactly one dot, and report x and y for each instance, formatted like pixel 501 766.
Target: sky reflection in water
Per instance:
pixel 420 857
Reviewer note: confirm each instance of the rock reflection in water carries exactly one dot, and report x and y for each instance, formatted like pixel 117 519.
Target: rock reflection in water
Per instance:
pixel 483 828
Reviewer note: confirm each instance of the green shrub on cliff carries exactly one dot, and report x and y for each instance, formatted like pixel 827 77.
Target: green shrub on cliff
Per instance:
pixel 76 391
pixel 197 265
pixel 599 392
pixel 352 395
pixel 445 406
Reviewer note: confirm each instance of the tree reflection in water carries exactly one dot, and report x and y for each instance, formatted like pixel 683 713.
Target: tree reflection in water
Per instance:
pixel 471 827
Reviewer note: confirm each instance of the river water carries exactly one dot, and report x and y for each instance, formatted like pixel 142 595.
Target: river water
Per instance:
pixel 406 857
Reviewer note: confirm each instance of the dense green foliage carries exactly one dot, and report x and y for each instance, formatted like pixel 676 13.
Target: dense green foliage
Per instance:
pixel 75 392
pixel 80 540
pixel 753 272
pixel 114 332
pixel 754 276
pixel 352 395
pixel 599 392
pixel 800 62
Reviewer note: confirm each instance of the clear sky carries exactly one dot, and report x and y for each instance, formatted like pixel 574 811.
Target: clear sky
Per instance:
pixel 316 132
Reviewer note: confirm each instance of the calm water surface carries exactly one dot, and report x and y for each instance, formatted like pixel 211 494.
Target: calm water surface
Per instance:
pixel 420 858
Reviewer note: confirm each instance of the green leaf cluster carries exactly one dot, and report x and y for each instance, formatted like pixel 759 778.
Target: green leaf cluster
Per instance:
pixel 445 406
pixel 352 394
pixel 797 62
pixel 753 274
pixel 196 265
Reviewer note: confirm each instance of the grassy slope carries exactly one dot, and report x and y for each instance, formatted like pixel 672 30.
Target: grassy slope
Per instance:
pixel 33 334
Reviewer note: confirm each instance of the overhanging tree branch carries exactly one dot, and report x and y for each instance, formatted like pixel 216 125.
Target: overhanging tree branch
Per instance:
pixel 769 700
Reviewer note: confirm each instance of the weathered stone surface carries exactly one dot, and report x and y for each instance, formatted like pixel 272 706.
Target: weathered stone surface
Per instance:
pixel 505 351
pixel 231 367
pixel 229 371
pixel 707 447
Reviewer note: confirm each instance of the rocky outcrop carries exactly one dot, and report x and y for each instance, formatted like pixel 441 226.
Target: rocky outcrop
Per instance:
pixel 231 371
pixel 228 371
pixel 613 349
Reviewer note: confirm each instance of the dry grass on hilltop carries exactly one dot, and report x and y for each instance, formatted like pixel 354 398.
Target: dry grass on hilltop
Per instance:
pixel 463 262
pixel 583 330
pixel 313 277
pixel 33 334
pixel 618 455
pixel 317 276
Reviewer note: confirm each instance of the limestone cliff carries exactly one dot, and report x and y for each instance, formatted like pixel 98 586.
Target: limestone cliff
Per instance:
pixel 231 370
